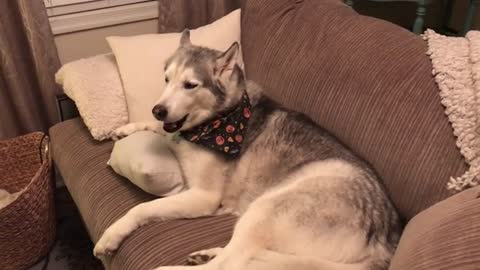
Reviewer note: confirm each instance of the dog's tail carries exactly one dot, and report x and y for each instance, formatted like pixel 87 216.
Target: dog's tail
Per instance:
pixel 270 260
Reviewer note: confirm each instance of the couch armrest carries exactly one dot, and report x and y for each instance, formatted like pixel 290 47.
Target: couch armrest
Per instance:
pixel 445 236
pixel 66 108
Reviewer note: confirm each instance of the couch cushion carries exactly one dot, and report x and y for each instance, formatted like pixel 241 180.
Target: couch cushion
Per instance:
pixel 102 197
pixel 446 236
pixel 366 80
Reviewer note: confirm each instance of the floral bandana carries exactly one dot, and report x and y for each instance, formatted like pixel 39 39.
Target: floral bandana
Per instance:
pixel 224 133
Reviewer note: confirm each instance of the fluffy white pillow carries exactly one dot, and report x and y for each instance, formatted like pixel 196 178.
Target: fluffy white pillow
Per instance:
pixel 141 60
pixel 95 86
pixel 147 162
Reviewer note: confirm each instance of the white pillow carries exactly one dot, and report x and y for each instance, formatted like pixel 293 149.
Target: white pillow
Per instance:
pixel 147 162
pixel 141 60
pixel 95 86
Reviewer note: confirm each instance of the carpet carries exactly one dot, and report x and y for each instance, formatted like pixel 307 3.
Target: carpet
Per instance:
pixel 73 248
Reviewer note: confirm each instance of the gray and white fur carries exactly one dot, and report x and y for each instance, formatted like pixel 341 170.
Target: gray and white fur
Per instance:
pixel 304 200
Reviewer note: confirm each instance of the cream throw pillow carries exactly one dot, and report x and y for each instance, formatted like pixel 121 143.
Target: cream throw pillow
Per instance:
pixel 145 159
pixel 141 60
pixel 95 85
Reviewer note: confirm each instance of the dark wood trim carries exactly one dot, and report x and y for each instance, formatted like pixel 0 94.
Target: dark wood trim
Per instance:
pixel 66 108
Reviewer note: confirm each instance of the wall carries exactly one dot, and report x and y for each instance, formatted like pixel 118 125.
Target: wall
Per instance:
pixel 87 43
pixel 73 46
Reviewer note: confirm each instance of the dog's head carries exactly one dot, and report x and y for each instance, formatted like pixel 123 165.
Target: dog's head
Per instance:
pixel 200 82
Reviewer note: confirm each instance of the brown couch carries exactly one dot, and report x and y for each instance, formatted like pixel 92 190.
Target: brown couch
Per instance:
pixel 366 80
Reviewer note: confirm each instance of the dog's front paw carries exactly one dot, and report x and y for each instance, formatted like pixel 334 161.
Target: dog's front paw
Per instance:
pixel 227 211
pixel 108 243
pixel 203 256
pixel 125 130
pixel 177 268
pixel 128 129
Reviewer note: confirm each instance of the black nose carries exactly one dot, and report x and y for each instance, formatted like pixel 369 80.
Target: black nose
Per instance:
pixel 160 112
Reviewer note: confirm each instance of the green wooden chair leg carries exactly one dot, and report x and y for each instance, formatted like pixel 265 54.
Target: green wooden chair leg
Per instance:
pixel 420 20
pixel 470 15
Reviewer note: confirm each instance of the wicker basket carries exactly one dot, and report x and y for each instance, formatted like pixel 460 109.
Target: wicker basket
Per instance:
pixel 27 225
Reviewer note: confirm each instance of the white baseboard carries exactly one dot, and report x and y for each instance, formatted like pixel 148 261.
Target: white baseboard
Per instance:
pixel 104 17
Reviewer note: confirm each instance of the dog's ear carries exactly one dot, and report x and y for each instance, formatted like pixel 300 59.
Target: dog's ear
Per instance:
pixel 227 60
pixel 185 38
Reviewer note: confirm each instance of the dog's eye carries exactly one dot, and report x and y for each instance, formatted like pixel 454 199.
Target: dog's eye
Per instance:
pixel 166 79
pixel 189 85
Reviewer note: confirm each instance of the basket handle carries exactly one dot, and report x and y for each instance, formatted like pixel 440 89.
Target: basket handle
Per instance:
pixel 45 150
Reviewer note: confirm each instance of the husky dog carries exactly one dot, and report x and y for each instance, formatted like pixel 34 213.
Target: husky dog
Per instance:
pixel 304 200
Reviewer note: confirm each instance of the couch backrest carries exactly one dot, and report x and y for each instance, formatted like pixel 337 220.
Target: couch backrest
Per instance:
pixel 366 80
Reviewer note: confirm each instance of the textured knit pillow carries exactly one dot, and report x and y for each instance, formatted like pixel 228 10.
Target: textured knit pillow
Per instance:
pixel 147 162
pixel 95 86
pixel 456 67
pixel 141 60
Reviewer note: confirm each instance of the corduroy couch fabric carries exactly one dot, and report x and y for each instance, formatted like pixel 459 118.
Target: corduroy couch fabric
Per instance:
pixel 367 81
pixel 446 236
pixel 103 196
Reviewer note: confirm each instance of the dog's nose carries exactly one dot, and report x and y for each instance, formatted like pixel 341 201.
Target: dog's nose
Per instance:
pixel 160 112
